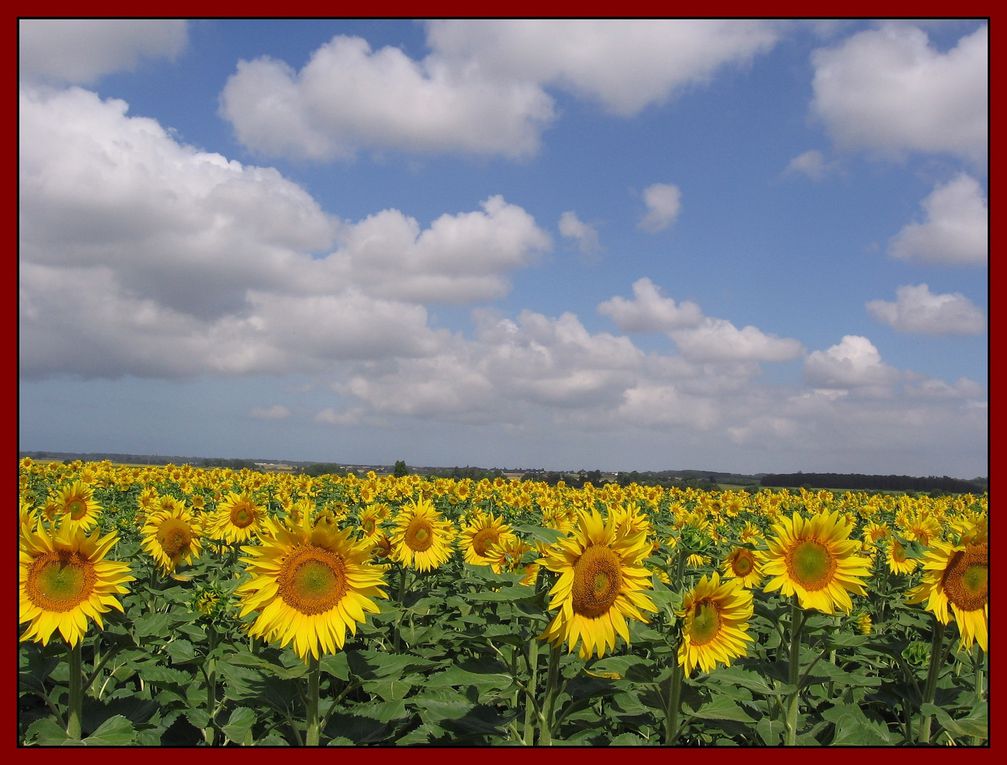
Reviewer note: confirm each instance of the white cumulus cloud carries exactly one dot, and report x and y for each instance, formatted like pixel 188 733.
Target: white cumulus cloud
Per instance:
pixel 852 363
pixel 956 229
pixel 143 256
pixel 584 235
pixel 349 97
pixel 811 164
pixel 890 90
pixel 720 340
pixel 624 64
pixel 649 310
pixel 663 201
pixel 916 309
pixel 83 50
pixel 483 88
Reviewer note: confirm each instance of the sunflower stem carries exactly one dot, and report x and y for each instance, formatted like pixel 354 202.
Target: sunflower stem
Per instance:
pixel 793 703
pixel 551 690
pixel 211 688
pixel 314 675
pixel 674 704
pixel 930 690
pixel 529 704
pixel 76 702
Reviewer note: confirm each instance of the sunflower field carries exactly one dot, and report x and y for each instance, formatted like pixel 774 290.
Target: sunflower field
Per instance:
pixel 179 606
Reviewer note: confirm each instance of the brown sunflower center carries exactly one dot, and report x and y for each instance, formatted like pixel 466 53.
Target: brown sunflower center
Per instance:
pixel 242 515
pixel 742 563
pixel 60 580
pixel 368 525
pixel 705 625
pixel 597 578
pixel 312 579
pixel 966 578
pixel 483 540
pixel 419 534
pixel 811 565
pixel 175 536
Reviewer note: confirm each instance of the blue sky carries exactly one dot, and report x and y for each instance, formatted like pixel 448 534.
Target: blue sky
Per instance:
pixel 734 245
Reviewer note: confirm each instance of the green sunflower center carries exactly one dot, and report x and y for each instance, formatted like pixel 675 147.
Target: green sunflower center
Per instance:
pixel 312 579
pixel 597 577
pixel 77 509
pixel 60 580
pixel 966 579
pixel 419 534
pixel 483 540
pixel 175 536
pixel 705 624
pixel 811 565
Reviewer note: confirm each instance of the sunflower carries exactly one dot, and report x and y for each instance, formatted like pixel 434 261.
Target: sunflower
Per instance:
pixel 741 564
pixel 898 561
pixel 370 520
pixel 695 560
pixel 310 583
pixel 957 575
pixel 422 538
pixel 65 580
pixel 77 506
pixel 816 560
pixel 237 518
pixel 171 536
pixel 875 532
pixel 715 627
pixel 602 581
pixel 483 532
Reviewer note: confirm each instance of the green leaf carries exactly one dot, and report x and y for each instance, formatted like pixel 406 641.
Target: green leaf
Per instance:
pixel 770 731
pixel 336 665
pixel 975 725
pixel 151 624
pixel 746 678
pixel 853 728
pixel 45 732
pixel 540 533
pixel 239 726
pixel 180 651
pixel 115 731
pixel 721 708
pixel 155 673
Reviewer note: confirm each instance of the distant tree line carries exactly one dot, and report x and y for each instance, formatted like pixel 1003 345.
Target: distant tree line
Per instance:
pixel 875 482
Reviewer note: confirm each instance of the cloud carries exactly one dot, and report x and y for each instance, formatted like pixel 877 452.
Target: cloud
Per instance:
pixel 584 235
pixel 649 311
pixel 274 412
pixel 81 51
pixel 918 310
pixel 663 201
pixel 719 340
pixel 482 88
pixel 460 258
pixel 142 256
pixel 956 229
pixel 625 65
pixel 889 90
pixel 701 339
pixel 811 164
pixel 851 364
pixel 348 97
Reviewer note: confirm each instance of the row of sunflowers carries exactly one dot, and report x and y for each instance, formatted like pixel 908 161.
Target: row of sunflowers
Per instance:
pixel 215 607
